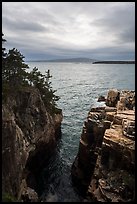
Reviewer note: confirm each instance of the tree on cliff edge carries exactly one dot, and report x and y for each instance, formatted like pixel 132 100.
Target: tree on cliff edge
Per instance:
pixel 15 68
pixel 15 77
pixel 42 82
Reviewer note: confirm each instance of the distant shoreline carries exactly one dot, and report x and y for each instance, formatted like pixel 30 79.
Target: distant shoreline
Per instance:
pixel 114 62
pixel 86 60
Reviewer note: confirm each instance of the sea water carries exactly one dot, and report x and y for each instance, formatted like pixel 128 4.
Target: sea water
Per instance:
pixel 79 85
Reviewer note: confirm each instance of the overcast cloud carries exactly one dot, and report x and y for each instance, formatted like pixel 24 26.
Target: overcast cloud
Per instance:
pixel 51 30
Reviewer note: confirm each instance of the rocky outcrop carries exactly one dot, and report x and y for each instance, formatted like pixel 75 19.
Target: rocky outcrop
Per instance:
pixel 104 166
pixel 29 135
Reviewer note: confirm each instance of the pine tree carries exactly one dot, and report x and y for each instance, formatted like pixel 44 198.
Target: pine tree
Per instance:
pixel 15 77
pixel 42 82
pixel 15 68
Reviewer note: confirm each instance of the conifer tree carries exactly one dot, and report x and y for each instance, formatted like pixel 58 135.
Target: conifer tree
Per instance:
pixel 42 82
pixel 15 68
pixel 15 77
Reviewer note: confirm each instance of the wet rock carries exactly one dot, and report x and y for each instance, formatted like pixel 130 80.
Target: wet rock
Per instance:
pixel 101 98
pixel 29 195
pixel 51 197
pixel 97 109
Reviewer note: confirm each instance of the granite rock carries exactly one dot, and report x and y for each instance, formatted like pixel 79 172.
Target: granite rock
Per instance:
pixel 109 136
pixel 28 135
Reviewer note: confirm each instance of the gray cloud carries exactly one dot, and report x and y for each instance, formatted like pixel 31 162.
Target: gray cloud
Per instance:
pixel 128 34
pixel 23 25
pixel 60 29
pixel 120 22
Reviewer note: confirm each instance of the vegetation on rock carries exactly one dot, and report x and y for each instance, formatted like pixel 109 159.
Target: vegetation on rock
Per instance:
pixel 15 77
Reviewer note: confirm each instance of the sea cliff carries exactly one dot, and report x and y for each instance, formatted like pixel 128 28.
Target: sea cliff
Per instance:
pixel 29 136
pixel 105 164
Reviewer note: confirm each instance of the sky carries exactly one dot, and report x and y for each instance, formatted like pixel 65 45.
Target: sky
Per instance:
pixel 55 30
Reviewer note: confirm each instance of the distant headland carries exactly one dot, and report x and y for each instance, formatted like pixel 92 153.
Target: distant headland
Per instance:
pixel 114 62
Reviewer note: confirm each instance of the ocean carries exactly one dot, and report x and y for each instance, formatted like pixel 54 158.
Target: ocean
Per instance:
pixel 79 85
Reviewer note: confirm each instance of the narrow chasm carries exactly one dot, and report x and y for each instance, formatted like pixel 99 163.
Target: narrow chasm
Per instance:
pixel 37 161
pixel 49 174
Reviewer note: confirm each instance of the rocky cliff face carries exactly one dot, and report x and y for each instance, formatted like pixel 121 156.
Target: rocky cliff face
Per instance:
pixel 104 166
pixel 29 135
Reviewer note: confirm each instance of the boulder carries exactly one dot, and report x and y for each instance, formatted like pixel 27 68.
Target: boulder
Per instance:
pixel 112 98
